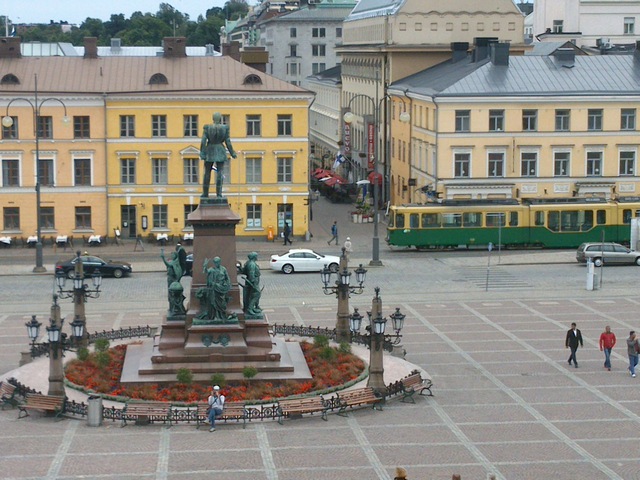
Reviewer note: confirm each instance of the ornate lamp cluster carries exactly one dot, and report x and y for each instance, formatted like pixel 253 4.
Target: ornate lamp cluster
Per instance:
pixel 79 287
pixel 376 336
pixel 343 281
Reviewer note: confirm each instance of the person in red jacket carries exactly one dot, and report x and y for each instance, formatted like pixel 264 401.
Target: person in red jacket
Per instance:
pixel 607 342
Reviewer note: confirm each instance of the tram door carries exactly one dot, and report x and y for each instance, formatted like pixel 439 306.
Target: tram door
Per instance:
pixel 285 214
pixel 128 221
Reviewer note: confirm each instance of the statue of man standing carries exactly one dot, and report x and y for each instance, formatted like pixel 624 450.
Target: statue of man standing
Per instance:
pixel 212 150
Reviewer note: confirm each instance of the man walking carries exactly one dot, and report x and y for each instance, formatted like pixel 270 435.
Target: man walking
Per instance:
pixel 607 342
pixel 334 232
pixel 574 338
pixel 632 351
pixel 286 233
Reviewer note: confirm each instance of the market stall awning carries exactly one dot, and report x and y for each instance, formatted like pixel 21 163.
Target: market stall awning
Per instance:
pixel 375 177
pixel 321 173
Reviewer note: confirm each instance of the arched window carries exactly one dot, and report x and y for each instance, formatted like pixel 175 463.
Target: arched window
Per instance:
pixel 253 79
pixel 158 79
pixel 9 79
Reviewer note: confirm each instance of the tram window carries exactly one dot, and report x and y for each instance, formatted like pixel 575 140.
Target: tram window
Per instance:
pixel 553 221
pixel 496 219
pixel 451 219
pixel 569 221
pixel 586 220
pixel 472 219
pixel 539 219
pixel 626 217
pixel 513 219
pixel 601 217
pixel 399 220
pixel 392 219
pixel 430 220
pixel 414 220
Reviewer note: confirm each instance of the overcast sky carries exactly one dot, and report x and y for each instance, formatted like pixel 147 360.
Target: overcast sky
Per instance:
pixel 76 11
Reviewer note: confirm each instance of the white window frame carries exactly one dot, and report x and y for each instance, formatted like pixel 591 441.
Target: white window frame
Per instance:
pixel 455 153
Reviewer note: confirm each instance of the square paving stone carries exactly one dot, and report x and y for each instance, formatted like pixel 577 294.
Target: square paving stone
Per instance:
pixel 537 451
pixel 565 470
pixel 94 465
pixel 606 429
pixel 580 412
pixel 450 453
pixel 512 431
pixel 214 456
pixel 320 456
pixel 489 413
pixel 336 433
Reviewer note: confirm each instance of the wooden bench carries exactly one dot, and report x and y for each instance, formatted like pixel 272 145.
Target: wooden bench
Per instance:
pixel 358 398
pixel 300 406
pixel 232 411
pixel 415 383
pixel 146 412
pixel 7 394
pixel 47 403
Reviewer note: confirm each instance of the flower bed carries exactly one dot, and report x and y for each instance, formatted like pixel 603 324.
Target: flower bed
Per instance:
pixel 327 369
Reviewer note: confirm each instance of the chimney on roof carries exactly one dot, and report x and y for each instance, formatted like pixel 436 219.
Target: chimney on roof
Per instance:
pixel 481 50
pixel 459 51
pixel 116 45
pixel 90 47
pixel 209 50
pixel 500 54
pixel 10 47
pixel 231 50
pixel 255 57
pixel 174 47
pixel 566 56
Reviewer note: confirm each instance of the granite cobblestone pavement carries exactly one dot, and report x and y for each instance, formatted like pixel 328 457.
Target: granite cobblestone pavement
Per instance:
pixel 506 402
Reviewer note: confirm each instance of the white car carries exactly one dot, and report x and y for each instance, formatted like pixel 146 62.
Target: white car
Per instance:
pixel 303 260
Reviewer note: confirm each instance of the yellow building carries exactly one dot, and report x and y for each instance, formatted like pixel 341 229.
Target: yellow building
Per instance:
pixel 129 159
pixel 518 127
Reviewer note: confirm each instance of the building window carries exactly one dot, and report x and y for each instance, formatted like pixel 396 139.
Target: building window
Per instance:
pixel 285 170
pixel 82 171
pixel 496 164
pixel 47 218
pixel 127 126
pixel 187 210
pixel 629 25
pixel 254 170
pixel 45 172
pixel 10 173
pixel 293 33
pixel 254 215
pixel 628 119
pixel 594 119
pixel 191 171
pixel 284 125
pixel 461 163
pixel 561 164
pixel 83 218
pixel 558 26
pixel 338 32
pixel 496 120
pixel 158 125
pixel 128 171
pixel 226 119
pixel 529 120
pixel 293 50
pixel 11 133
pixel 292 69
pixel 627 162
pixel 160 216
pixel 318 67
pixel 191 125
pixel 529 164
pixel 594 164
pixel 319 50
pixel 463 120
pixel 253 125
pixel 11 218
pixel 318 32
pixel 81 127
pixel 45 127
pixel 562 120
pixel 159 170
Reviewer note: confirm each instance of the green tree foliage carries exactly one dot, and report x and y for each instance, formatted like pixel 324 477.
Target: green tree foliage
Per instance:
pixel 184 376
pixel 235 9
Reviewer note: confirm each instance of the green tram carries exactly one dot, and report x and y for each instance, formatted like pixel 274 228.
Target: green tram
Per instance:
pixel 552 223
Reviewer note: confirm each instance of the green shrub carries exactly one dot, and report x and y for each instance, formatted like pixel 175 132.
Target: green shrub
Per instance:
pixel 101 345
pixel 249 372
pixel 103 359
pixel 321 341
pixel 82 354
pixel 327 353
pixel 344 347
pixel 184 376
pixel 218 379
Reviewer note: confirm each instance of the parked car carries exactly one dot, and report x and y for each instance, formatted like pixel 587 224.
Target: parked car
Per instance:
pixel 303 260
pixel 90 264
pixel 607 252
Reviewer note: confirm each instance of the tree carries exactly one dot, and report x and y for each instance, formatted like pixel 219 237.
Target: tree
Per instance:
pixel 146 30
pixel 235 9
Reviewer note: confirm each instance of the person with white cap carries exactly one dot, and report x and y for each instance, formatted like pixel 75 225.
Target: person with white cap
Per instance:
pixel 347 246
pixel 216 406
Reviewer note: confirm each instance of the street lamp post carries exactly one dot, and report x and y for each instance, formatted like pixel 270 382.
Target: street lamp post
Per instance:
pixel 343 290
pixel 7 122
pixel 57 345
pixel 80 292
pixel 349 117
pixel 376 339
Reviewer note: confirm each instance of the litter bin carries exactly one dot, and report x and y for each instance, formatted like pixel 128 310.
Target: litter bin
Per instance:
pixel 94 411
pixel 270 235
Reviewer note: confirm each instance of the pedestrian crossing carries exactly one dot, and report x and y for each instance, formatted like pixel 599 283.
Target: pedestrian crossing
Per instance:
pixel 493 278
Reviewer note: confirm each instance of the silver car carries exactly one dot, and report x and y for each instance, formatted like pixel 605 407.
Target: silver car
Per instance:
pixel 607 252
